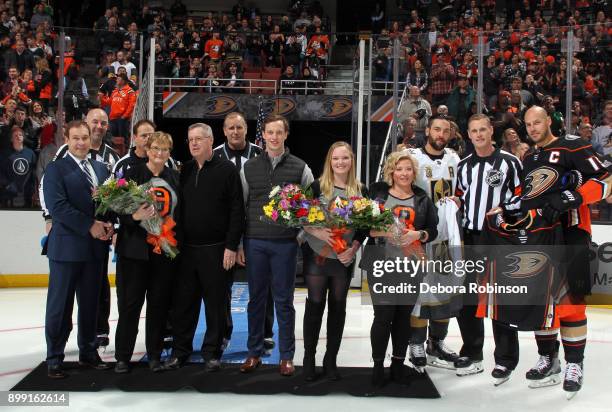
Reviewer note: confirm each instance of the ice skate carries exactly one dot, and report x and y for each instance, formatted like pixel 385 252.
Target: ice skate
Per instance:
pixel 417 356
pixel 464 366
pixel 545 372
pixel 439 355
pixel 572 381
pixel 501 374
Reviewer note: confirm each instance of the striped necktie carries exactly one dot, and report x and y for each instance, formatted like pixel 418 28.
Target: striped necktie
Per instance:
pixel 85 168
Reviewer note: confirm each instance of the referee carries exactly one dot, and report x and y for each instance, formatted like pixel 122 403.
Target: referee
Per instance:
pixel 485 179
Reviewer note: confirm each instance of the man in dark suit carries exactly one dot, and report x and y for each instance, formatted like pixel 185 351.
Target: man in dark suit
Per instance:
pixel 76 246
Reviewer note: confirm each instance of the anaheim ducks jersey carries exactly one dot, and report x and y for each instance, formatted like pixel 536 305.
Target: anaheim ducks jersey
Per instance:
pixel 437 175
pixel 525 254
pixel 545 170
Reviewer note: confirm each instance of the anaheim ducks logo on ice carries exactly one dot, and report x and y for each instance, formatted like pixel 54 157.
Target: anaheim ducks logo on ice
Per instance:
pixel 526 264
pixel 539 181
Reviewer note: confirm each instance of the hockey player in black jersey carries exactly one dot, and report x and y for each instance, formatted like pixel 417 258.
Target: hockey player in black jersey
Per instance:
pixel 562 177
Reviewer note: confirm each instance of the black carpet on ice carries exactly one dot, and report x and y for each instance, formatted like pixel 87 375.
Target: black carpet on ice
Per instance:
pixel 265 381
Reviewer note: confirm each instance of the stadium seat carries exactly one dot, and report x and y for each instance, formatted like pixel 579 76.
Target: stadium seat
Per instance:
pixel 267 85
pixel 254 85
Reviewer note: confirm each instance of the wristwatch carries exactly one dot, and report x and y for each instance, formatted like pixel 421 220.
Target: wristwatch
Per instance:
pixel 422 235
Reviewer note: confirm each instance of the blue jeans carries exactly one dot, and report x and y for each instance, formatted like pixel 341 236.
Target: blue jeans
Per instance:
pixel 271 263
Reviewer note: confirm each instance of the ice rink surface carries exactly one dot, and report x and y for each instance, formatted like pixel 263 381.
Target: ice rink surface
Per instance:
pixel 22 344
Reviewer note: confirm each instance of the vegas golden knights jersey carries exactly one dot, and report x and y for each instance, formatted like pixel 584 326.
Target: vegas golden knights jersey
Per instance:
pixel 437 175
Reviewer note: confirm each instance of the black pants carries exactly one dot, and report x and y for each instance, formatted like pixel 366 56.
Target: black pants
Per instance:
pixel 229 323
pixel 105 301
pixel 471 327
pixel 201 277
pixel 137 279
pixel 390 321
pixel 506 345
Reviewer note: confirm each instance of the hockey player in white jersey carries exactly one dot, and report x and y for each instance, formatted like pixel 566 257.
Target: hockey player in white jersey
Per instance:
pixel 437 175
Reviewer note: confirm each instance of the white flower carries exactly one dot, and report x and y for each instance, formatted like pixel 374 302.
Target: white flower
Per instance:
pixel 375 208
pixel 274 191
pixel 286 214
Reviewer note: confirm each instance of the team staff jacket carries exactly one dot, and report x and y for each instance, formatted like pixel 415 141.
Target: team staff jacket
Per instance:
pixel 212 207
pixel 527 252
pixel 544 170
pixel 122 102
pixel 132 238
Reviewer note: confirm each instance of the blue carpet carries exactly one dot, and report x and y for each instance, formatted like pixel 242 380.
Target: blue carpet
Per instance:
pixel 237 351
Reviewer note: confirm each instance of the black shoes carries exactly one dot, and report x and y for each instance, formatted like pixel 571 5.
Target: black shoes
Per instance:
pixel 102 341
pixel 56 371
pixel 122 367
pixel 213 365
pixel 94 362
pixel 174 363
pixel 155 366
pixel 330 369
pixel 378 374
pixel 309 368
pixel 269 344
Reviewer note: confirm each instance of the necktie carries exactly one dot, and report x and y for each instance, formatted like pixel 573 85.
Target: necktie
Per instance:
pixel 87 173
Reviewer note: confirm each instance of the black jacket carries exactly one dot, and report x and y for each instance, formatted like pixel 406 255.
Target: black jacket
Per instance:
pixel 132 238
pixel 212 209
pixel 426 214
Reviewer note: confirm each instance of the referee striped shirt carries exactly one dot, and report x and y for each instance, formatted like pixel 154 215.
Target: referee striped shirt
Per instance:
pixel 484 183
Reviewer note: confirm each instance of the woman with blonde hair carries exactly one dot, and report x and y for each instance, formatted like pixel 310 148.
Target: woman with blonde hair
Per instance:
pixel 141 272
pixel 326 272
pixel 416 221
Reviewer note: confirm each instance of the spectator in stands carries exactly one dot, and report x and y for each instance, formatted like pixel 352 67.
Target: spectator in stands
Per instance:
pixel 418 108
pixel 319 46
pixel 442 76
pixel 214 48
pixel 459 101
pixel 9 105
pixel 43 127
pixel 21 57
pixel 409 137
pixel 602 134
pixel 20 119
pixel 112 38
pixel 513 144
pixel 123 62
pixel 276 42
pixel 254 48
pixel 102 23
pixel 293 52
pixel 211 81
pixel 122 102
pixel 288 81
pixel 39 16
pixel 234 46
pixel 418 77
pixel 76 97
pixel 17 172
pixel 311 83
pixel 178 9
pixel 14 88
pixel 233 84
pixel 557 126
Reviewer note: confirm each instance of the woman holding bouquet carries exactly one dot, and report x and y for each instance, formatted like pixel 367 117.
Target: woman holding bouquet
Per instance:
pixel 142 269
pixel 416 221
pixel 328 265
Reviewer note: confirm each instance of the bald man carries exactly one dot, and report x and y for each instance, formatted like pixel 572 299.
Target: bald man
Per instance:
pixel 561 177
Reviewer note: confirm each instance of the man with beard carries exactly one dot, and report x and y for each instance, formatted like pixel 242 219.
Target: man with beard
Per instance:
pixel 97 120
pixel 562 177
pixel 437 175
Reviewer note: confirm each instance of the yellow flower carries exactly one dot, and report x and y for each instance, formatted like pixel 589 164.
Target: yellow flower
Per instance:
pixel 268 210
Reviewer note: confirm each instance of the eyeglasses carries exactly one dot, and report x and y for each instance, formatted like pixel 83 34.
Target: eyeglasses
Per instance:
pixel 156 149
pixel 196 140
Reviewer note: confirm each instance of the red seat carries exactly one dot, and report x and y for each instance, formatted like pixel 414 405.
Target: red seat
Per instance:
pixel 254 85
pixel 268 86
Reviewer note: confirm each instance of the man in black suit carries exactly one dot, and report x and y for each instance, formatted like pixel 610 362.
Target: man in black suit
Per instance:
pixel 76 246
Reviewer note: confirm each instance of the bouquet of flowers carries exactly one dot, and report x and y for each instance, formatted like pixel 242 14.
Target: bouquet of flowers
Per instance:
pixel 401 226
pixel 293 207
pixel 125 197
